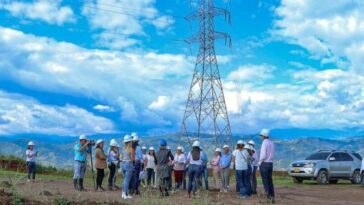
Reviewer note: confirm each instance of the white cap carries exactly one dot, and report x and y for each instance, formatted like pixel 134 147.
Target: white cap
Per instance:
pixel 265 132
pixel 114 143
pixel 31 143
pixel 144 148
pixel 82 137
pixel 99 141
pixel 225 146
pixel 241 142
pixel 180 148
pixel 127 138
pixel 217 150
pixel 151 148
pixel 135 137
pixel 196 144
pixel 251 142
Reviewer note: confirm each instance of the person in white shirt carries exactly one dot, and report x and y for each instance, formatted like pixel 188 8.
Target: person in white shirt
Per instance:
pixel 267 152
pixel 30 161
pixel 194 159
pixel 179 167
pixel 240 160
pixel 254 167
pixel 151 167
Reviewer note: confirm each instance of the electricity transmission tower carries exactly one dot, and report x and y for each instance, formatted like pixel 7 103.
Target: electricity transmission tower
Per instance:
pixel 205 111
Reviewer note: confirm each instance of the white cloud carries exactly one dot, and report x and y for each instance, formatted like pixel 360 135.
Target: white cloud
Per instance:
pixel 159 103
pixel 252 73
pixel 122 21
pixel 331 32
pixel 103 108
pixel 49 11
pixel 22 114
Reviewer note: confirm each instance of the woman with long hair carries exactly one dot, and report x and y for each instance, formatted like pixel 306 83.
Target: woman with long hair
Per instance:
pixel 151 166
pixel 30 161
pixel 100 164
pixel 215 164
pixel 194 159
pixel 127 167
pixel 113 161
pixel 179 167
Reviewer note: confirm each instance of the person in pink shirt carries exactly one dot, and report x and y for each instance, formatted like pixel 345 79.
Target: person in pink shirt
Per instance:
pixel 266 165
pixel 215 164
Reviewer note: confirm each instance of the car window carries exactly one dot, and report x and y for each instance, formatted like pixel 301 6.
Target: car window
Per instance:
pixel 319 156
pixel 357 155
pixel 337 157
pixel 345 157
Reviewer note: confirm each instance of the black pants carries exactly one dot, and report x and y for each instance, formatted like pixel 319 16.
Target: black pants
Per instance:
pixel 266 171
pixel 112 169
pixel 99 177
pixel 150 176
pixel 31 169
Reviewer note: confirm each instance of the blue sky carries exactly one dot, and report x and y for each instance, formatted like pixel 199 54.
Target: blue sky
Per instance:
pixel 69 67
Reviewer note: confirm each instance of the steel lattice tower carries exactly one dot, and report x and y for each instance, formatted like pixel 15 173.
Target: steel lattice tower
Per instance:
pixel 205 111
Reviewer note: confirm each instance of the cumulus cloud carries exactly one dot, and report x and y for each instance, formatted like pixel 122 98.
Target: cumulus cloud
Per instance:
pixel 122 21
pixel 22 114
pixel 159 103
pixel 49 11
pixel 252 73
pixel 331 32
pixel 103 108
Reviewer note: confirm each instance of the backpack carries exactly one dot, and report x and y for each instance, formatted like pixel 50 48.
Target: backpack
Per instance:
pixel 196 154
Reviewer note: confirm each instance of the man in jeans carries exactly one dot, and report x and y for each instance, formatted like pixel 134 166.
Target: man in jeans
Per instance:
pixel 81 150
pixel 225 168
pixel 266 165
pixel 254 167
pixel 240 159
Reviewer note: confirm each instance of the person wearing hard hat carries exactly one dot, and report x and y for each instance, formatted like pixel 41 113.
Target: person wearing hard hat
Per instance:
pixel 249 149
pixel 143 172
pixel 194 160
pixel 170 165
pixel 215 164
pixel 113 162
pixel 179 167
pixel 240 160
pixel 164 156
pixel 151 167
pixel 82 150
pixel 30 161
pixel 225 162
pixel 267 152
pixel 100 164
pixel 127 167
pixel 137 164
pixel 255 160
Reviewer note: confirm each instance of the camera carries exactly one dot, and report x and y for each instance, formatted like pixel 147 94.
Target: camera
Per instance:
pixel 91 143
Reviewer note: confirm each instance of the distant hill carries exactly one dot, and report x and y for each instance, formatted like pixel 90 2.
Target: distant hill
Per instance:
pixel 58 150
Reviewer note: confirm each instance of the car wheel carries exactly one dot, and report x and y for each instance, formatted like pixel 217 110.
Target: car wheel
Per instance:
pixel 297 180
pixel 322 177
pixel 333 181
pixel 356 179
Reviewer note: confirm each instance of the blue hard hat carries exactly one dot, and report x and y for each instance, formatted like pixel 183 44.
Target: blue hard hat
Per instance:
pixel 163 143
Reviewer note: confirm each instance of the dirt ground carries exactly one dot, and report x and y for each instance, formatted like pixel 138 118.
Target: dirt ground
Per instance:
pixel 61 192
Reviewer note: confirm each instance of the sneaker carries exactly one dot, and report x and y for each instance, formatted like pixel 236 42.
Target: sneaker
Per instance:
pixel 129 197
pixel 28 180
pixel 242 197
pixel 225 190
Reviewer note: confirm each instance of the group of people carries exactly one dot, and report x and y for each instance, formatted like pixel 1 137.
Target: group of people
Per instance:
pixel 154 168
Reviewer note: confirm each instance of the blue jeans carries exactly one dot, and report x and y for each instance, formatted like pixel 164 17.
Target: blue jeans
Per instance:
pixel 31 169
pixel 254 180
pixel 266 170
pixel 137 168
pixel 127 169
pixel 194 172
pixel 79 169
pixel 241 176
pixel 205 176
pixel 248 180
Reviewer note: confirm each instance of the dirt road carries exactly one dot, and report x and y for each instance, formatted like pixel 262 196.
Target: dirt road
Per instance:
pixel 61 192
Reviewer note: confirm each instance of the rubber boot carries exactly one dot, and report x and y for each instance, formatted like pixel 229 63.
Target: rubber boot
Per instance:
pixel 81 185
pixel 75 184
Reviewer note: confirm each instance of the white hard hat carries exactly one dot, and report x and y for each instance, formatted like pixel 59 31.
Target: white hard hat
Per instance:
pixel 135 137
pixel 241 142
pixel 217 150
pixel 225 146
pixel 144 148
pixel 151 148
pixel 127 138
pixel 82 137
pixel 99 141
pixel 180 148
pixel 168 147
pixel 251 142
pixel 114 143
pixel 248 147
pixel 31 143
pixel 196 144
pixel 265 132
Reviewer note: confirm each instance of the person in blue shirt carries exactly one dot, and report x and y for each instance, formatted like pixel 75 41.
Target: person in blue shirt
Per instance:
pixel 204 170
pixel 225 162
pixel 81 150
pixel 139 160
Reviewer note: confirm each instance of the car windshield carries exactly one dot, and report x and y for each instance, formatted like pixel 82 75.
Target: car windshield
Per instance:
pixel 318 156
